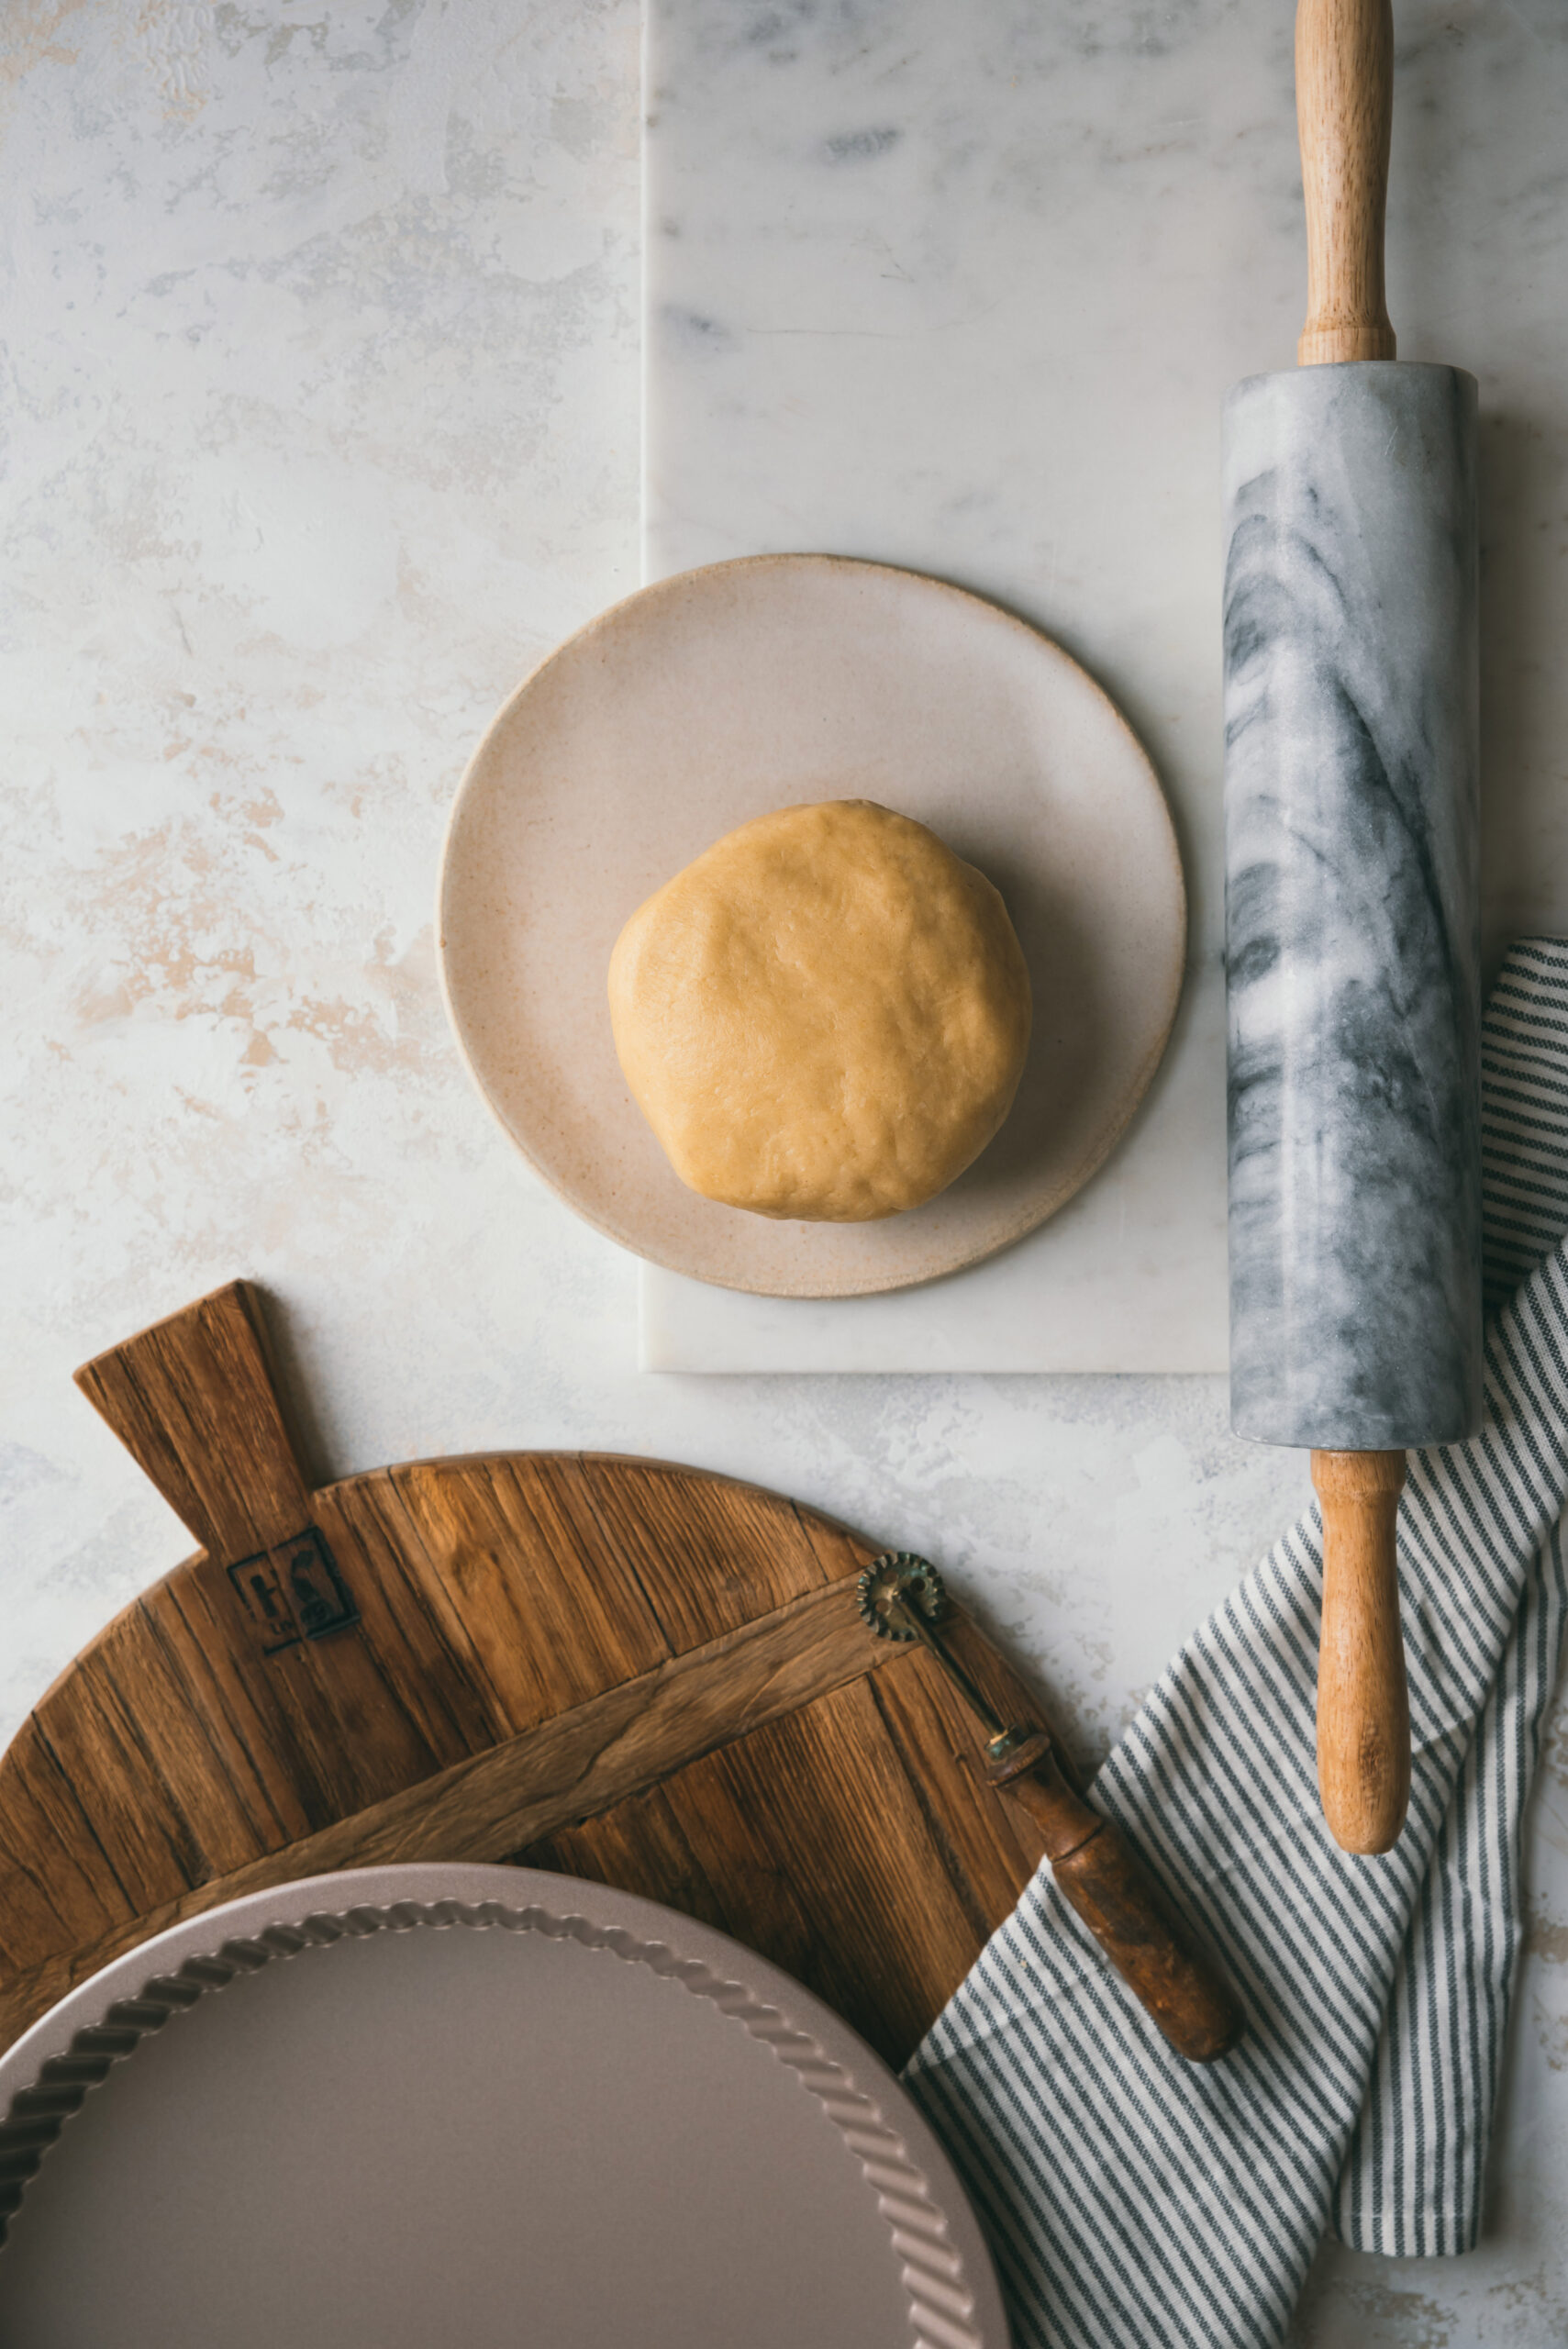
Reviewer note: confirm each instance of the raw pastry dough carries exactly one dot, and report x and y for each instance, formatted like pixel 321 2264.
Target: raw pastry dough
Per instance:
pixel 824 1017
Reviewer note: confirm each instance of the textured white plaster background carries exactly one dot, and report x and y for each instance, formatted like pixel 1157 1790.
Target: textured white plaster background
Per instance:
pixel 321 395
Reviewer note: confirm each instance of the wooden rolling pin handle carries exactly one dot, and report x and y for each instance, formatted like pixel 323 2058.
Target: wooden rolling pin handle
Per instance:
pixel 1344 109
pixel 1364 1706
pixel 1103 1878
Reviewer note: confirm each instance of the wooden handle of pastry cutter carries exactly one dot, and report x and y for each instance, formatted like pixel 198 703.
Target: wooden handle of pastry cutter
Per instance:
pixel 1099 1873
pixel 1344 112
pixel 1364 1707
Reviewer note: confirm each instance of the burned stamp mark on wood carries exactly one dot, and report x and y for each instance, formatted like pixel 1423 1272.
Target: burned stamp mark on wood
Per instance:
pixel 293 1592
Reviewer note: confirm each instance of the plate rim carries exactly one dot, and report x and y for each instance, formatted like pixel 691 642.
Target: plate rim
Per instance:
pixel 1027 1219
pixel 773 2007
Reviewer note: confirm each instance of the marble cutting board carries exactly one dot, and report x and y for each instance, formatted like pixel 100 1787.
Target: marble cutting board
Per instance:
pixel 961 284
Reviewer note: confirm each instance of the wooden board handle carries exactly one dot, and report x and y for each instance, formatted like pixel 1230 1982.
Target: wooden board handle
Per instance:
pixel 1364 1707
pixel 1099 1873
pixel 1344 110
pixel 192 1401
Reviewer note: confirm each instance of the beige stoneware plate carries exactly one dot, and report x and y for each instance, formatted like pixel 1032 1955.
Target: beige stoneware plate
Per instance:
pixel 722 694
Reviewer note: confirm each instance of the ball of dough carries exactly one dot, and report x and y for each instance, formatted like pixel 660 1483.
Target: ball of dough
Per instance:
pixel 824 1017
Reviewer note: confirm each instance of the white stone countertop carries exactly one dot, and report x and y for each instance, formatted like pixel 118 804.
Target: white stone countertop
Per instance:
pixel 322 410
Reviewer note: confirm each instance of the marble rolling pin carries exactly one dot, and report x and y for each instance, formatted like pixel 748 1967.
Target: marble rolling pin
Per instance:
pixel 1352 955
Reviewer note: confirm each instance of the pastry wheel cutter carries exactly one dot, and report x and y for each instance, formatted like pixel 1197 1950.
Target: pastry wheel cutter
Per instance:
pixel 1097 1870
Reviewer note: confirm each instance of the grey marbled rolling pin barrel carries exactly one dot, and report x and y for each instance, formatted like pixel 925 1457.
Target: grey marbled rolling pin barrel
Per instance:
pixel 1351 815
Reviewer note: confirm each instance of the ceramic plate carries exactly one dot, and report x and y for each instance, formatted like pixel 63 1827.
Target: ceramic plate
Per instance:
pixel 725 693
pixel 476 2106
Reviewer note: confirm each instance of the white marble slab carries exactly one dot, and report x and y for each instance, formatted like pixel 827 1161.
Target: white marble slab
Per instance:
pixel 961 284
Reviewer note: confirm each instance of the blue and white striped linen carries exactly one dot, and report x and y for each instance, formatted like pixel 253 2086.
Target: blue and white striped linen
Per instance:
pixel 1132 2199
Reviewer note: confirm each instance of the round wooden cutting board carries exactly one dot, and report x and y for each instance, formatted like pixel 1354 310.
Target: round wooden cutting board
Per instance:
pixel 636 1672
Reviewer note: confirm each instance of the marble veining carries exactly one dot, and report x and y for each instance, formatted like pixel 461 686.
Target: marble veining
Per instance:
pixel 1352 859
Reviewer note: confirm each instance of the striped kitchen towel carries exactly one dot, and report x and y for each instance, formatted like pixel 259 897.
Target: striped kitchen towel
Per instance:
pixel 1132 2199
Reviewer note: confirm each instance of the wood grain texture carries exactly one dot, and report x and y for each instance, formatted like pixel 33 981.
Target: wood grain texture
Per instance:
pixel 1363 1704
pixel 193 1402
pixel 580 1764
pixel 1344 109
pixel 1141 1931
pixel 620 1668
